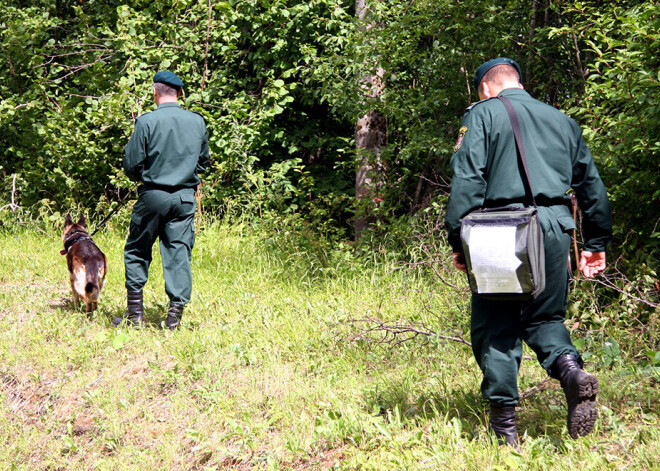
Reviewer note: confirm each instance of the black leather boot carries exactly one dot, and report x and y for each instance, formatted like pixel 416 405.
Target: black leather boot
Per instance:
pixel 580 389
pixel 503 423
pixel 135 314
pixel 174 314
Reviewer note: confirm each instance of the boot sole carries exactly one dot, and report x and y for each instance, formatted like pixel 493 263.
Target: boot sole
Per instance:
pixel 583 415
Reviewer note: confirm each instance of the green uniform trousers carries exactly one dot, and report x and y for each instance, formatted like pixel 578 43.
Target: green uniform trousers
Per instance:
pixel 499 327
pixel 169 215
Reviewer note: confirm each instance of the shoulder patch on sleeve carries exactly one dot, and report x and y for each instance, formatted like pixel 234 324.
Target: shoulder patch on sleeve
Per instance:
pixel 461 135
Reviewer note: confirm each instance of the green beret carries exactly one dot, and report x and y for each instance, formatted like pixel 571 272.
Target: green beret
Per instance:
pixel 168 78
pixel 486 66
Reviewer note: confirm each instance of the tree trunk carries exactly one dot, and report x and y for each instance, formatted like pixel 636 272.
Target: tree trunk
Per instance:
pixel 370 138
pixel 530 40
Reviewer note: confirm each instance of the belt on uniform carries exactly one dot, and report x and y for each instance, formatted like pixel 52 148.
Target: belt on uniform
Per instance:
pixel 170 189
pixel 540 201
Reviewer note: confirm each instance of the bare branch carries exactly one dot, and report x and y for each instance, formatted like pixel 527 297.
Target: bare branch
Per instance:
pixel 606 281
pixel 87 96
pixel 13 206
pixel 207 105
pixel 542 386
pixel 54 102
pixel 393 334
pixel 77 68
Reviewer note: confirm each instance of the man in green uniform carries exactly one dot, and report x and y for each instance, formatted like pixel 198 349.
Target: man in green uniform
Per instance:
pixel 487 174
pixel 168 149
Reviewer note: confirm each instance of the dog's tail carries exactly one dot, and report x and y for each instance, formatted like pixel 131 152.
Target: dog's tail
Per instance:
pixel 94 280
pixel 92 289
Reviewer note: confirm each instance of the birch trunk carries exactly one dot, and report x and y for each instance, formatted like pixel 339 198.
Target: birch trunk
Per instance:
pixel 370 138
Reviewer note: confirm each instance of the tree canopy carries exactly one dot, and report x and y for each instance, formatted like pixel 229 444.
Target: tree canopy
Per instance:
pixel 279 84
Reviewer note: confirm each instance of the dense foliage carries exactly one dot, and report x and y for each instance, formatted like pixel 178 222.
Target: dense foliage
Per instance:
pixel 73 77
pixel 279 83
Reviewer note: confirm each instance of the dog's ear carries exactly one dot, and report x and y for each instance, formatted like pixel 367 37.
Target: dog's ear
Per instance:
pixel 81 221
pixel 67 221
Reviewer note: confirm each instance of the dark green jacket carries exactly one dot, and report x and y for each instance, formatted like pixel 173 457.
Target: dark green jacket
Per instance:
pixel 487 173
pixel 169 148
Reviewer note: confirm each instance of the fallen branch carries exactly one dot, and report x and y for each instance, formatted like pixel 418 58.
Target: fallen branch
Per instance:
pixel 542 386
pixel 391 332
pixel 394 334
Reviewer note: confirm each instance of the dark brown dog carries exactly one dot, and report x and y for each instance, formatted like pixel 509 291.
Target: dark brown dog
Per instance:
pixel 87 264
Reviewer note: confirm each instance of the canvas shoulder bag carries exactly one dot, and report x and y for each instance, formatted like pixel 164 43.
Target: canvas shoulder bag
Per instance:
pixel 503 247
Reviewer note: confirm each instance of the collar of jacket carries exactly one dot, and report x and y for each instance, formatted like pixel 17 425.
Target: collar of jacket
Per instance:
pixel 513 92
pixel 169 104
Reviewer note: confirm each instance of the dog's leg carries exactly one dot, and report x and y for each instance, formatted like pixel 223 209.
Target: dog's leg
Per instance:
pixel 76 299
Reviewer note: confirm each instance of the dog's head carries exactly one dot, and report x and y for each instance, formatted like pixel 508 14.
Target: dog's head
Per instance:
pixel 70 227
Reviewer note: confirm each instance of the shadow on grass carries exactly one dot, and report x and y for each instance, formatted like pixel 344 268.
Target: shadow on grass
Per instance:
pixel 395 403
pixel 66 304
pixel 62 304
pixel 154 318
pixel 543 416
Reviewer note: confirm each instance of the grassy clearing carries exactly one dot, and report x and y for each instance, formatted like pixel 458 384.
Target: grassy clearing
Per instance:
pixel 266 372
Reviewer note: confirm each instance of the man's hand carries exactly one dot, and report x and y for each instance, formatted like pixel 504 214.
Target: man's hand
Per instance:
pixel 459 261
pixel 592 263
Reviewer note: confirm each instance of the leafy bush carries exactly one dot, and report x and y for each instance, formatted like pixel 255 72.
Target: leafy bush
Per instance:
pixel 619 112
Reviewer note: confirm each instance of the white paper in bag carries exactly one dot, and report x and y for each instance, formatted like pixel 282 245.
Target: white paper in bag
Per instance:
pixel 493 258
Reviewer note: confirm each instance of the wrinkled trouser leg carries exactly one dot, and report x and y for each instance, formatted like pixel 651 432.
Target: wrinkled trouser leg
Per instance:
pixel 177 239
pixel 543 319
pixel 170 217
pixel 499 327
pixel 144 229
pixel 497 347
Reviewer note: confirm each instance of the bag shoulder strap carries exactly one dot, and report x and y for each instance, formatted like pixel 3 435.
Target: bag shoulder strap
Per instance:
pixel 519 142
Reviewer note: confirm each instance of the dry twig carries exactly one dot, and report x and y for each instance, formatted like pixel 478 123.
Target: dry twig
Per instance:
pixel 13 206
pixel 609 281
pixel 394 334
pixel 542 386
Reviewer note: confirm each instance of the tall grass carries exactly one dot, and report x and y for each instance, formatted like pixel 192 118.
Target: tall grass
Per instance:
pixel 269 372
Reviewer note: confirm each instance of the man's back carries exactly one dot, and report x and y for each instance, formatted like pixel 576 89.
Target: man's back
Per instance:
pixel 487 172
pixel 551 141
pixel 169 147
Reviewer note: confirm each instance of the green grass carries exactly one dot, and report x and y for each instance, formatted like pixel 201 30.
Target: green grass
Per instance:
pixel 268 372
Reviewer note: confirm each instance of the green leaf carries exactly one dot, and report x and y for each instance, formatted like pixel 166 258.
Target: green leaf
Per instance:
pixel 120 340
